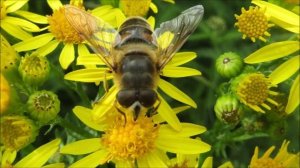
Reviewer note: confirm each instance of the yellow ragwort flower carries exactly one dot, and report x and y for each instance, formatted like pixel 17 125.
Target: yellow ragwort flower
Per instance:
pixel 253 23
pixel 4 94
pixel 208 163
pixel 60 31
pixel 17 26
pixel 253 90
pixel 143 142
pixel 283 159
pixel 36 158
pixel 289 21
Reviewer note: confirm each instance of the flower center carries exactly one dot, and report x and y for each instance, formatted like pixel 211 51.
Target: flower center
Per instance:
pixel 132 140
pixel 61 29
pixel 135 7
pixel 266 163
pixel 254 89
pixel 253 23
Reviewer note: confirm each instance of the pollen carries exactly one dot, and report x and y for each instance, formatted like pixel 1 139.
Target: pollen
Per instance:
pixel 253 23
pixel 266 163
pixel 254 90
pixel 131 139
pixel 61 29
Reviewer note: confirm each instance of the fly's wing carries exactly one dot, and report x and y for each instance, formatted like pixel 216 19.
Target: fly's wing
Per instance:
pixel 171 35
pixel 99 34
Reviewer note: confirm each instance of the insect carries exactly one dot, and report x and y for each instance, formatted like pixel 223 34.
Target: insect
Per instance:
pixel 135 54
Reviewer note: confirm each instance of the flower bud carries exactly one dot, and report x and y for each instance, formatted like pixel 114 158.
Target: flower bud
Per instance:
pixel 43 106
pixel 34 69
pixel 9 57
pixel 135 7
pixel 228 109
pixel 229 64
pixel 5 94
pixel 17 132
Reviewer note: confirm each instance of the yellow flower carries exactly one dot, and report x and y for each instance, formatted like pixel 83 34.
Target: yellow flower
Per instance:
pixel 16 26
pixel 253 23
pixel 172 69
pixel 5 94
pixel 283 159
pixel 36 158
pixel 253 90
pixel 285 70
pixel 289 21
pixel 60 31
pixel 140 141
pixel 138 7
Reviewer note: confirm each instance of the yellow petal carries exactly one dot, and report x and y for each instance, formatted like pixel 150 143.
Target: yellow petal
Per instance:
pixel 208 163
pixel 24 24
pixel 273 51
pixel 227 164
pixel 67 55
pixel 83 50
pixel 101 10
pixel 54 4
pixel 89 75
pixel 39 156
pixel 187 130
pixel 105 104
pixel 167 113
pixel 280 16
pixel 159 119
pixel 17 5
pixel 85 116
pixel 14 30
pixel 155 161
pixel 170 1
pixel 47 49
pixel 123 164
pixel 82 147
pixel 179 72
pixel 293 101
pixel 181 145
pixel 151 21
pixel 182 58
pixel 55 165
pixel 31 43
pixel 92 160
pixel 153 7
pixel 285 70
pixel 90 59
pixel 32 17
pixel 175 93
pixel 142 162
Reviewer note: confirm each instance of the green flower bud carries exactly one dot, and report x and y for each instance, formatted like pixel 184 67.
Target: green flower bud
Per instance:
pixel 17 132
pixel 217 24
pixel 34 69
pixel 43 106
pixel 229 64
pixel 228 109
pixel 9 57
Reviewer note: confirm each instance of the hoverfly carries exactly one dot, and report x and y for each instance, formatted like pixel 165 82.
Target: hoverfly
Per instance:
pixel 134 53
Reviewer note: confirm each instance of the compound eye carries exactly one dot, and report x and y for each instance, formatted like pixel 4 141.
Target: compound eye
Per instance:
pixel 147 97
pixel 126 97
